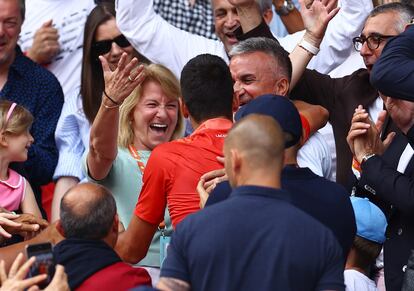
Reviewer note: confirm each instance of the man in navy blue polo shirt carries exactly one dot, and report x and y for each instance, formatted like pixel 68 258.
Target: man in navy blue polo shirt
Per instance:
pixel 326 201
pixel 256 239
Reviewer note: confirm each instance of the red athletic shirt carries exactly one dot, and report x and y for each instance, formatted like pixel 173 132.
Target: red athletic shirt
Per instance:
pixel 174 169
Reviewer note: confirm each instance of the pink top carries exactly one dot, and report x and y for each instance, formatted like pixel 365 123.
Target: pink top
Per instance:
pixel 12 191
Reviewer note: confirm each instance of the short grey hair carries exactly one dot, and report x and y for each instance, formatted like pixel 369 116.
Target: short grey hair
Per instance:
pixel 263 4
pixel 404 11
pixel 268 46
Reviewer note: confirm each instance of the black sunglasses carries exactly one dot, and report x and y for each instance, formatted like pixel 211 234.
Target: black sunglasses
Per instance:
pixel 104 46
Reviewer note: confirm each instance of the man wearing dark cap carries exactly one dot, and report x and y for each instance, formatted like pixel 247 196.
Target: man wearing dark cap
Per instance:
pixel 324 200
pixel 256 239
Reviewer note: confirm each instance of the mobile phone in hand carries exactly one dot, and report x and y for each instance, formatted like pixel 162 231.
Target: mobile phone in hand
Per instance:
pixel 44 264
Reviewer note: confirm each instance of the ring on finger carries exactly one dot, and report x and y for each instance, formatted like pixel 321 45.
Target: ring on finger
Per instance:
pixel 129 78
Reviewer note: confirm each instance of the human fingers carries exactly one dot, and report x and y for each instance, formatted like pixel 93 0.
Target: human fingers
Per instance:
pixel 122 62
pixel 214 174
pixel 330 5
pixel 359 125
pixel 3 274
pixel 358 117
pixel 47 23
pixel 16 264
pixel 49 34
pixel 129 68
pixel 31 219
pixel 25 227
pixel 202 193
pixel 381 120
pixel 26 283
pixel 105 65
pixel 356 133
pixel 220 159
pixel 4 233
pixel 22 272
pixel 332 14
pixel 59 281
pixel 9 215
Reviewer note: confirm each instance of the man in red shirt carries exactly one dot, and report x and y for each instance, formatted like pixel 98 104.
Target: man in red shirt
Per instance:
pixel 89 222
pixel 174 168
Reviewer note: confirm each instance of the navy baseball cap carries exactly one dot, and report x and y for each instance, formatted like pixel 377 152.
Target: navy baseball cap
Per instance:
pixel 278 107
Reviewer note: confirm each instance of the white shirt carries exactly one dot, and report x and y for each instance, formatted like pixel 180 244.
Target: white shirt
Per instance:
pixel 316 155
pixel 163 43
pixel 69 18
pixel 72 138
pixel 356 281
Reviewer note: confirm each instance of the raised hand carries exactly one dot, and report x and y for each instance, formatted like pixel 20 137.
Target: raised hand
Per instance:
pixel 45 44
pixel 364 136
pixel 120 83
pixel 316 16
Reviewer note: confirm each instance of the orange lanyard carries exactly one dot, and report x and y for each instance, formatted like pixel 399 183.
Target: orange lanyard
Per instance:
pixel 136 156
pixel 141 167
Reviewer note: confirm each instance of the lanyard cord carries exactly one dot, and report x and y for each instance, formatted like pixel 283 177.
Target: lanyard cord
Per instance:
pixel 141 167
pixel 136 156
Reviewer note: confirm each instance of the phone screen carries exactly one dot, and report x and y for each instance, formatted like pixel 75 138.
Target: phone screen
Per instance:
pixel 44 264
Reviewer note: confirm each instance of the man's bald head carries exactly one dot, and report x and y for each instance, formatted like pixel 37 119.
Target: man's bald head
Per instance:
pixel 259 140
pixel 87 211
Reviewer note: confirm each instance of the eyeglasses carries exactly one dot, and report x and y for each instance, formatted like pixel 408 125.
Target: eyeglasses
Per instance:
pixel 104 46
pixel 373 41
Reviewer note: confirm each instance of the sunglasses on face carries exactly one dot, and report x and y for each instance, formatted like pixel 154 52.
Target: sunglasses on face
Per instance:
pixel 104 46
pixel 373 41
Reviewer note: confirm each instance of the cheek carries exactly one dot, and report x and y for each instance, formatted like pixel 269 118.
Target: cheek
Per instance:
pixel 219 26
pixel 173 116
pixel 130 51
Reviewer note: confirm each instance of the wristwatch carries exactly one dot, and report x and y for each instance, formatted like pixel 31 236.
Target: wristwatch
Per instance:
pixel 286 8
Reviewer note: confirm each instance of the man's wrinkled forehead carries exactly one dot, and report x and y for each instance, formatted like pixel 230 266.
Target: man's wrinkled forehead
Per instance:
pixel 380 24
pixel 221 4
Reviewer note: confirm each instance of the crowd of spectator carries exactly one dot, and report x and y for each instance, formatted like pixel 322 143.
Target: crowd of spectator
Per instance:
pixel 207 145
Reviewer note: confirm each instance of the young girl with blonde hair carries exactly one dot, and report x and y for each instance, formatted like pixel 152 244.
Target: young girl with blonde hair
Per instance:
pixel 15 140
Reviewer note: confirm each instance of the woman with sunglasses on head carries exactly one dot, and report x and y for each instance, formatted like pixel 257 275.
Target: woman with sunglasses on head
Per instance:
pixel 101 37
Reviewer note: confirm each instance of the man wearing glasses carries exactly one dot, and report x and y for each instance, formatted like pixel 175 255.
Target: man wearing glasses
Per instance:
pixel 342 95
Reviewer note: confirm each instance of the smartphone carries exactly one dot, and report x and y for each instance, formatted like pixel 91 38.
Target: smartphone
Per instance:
pixel 44 264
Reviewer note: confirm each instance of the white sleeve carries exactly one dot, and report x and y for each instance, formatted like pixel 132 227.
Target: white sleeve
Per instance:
pixel 337 44
pixel 316 155
pixel 69 142
pixel 160 41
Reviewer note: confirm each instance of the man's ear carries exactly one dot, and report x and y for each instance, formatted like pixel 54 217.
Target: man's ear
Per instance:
pixel 236 103
pixel 60 228
pixel 184 108
pixel 115 225
pixel 282 87
pixel 235 162
pixel 268 16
